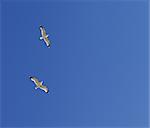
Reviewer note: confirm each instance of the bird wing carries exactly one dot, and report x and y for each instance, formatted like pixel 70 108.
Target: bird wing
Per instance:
pixel 35 80
pixel 47 41
pixel 44 32
pixel 44 88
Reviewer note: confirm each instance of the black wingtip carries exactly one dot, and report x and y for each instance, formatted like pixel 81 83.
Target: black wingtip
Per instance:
pixel 30 77
pixel 41 26
pixel 49 46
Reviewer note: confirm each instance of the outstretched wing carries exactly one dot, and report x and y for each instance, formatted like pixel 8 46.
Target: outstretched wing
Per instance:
pixel 43 32
pixel 44 88
pixel 35 80
pixel 47 41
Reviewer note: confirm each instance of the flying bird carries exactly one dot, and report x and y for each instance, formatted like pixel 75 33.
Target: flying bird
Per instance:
pixel 44 36
pixel 39 84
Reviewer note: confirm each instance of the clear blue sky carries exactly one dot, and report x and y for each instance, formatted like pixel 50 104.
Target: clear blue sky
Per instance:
pixel 96 69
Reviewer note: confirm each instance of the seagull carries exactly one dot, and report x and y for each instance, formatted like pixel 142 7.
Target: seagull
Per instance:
pixel 44 36
pixel 39 84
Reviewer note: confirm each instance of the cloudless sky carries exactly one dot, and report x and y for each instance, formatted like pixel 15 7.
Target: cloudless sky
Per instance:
pixel 96 69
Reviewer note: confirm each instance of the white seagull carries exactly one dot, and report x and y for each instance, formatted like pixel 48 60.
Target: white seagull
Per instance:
pixel 44 36
pixel 39 84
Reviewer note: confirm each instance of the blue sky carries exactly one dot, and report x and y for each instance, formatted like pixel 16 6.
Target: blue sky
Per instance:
pixel 96 69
